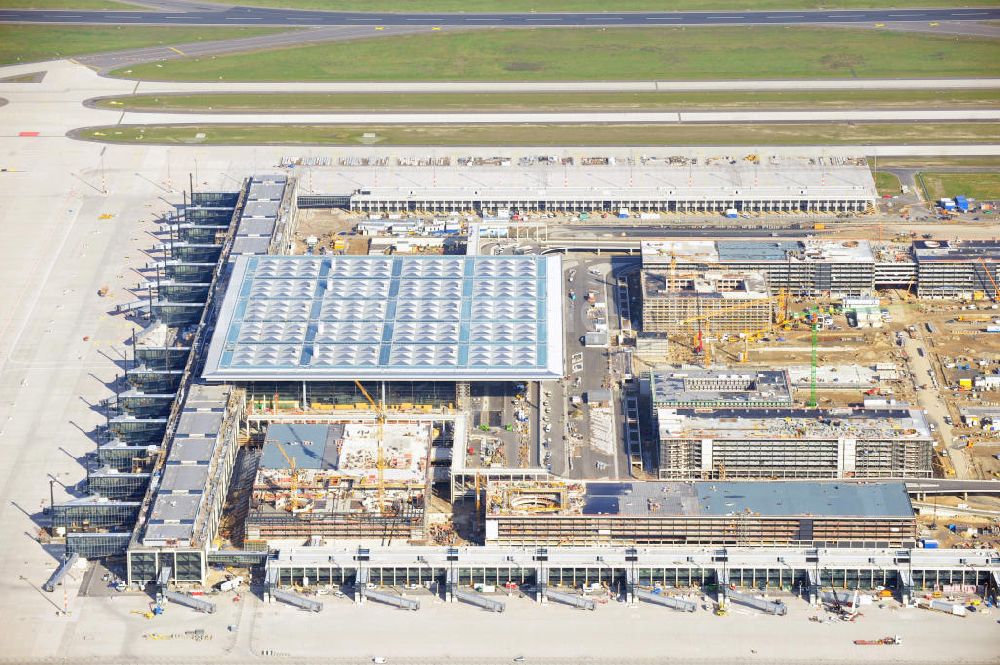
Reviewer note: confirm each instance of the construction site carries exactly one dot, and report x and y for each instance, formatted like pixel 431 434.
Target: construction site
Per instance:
pixel 384 418
pixel 677 302
pixel 692 386
pixel 781 443
pixel 699 513
pixel 343 481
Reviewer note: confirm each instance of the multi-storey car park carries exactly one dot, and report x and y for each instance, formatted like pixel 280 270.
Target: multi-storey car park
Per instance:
pixel 245 343
pixel 793 443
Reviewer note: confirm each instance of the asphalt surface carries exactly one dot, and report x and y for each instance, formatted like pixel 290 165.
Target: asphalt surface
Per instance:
pixel 148 87
pixel 628 117
pixel 266 17
pixel 125 58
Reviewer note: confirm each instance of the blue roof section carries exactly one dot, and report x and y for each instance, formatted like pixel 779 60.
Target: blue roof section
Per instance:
pixel 768 250
pixel 389 317
pixel 306 444
pixel 764 499
pixel 770 499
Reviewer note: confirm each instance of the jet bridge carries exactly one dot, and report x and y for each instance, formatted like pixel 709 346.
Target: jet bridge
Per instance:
pixel 197 604
pixel 60 573
pixel 678 604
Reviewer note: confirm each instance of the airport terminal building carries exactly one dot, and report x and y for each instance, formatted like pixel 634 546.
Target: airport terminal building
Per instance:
pixel 706 513
pixel 685 188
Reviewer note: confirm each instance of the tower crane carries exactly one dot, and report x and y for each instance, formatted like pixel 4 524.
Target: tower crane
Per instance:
pixel 703 320
pixel 812 369
pixel 379 433
pixel 989 275
pixel 294 478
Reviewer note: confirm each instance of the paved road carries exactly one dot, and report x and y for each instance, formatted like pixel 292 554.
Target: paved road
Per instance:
pixel 929 399
pixel 166 87
pixel 266 17
pixel 125 58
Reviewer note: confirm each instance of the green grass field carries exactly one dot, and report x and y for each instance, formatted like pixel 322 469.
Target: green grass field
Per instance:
pixel 982 186
pixel 32 43
pixel 469 6
pixel 548 134
pixel 931 161
pixel 886 183
pixel 564 102
pixel 614 54
pixel 68 4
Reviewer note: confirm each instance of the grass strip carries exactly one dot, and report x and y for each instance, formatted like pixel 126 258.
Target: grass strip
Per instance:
pixel 554 102
pixel 553 54
pixel 32 43
pixel 982 186
pixel 470 6
pixel 550 134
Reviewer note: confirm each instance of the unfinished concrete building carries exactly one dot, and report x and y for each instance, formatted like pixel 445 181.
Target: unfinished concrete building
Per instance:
pixel 793 443
pixel 691 301
pixel 707 513
pixel 689 386
pixel 968 269
pixel 323 481
pixel 833 268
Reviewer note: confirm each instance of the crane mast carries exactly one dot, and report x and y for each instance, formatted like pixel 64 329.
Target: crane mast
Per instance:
pixel 379 432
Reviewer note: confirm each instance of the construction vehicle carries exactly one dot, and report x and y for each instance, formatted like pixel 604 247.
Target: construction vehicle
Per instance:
pixel 892 640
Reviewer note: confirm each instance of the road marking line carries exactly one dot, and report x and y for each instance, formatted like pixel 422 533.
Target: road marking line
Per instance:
pixel 177 50
pixel 732 17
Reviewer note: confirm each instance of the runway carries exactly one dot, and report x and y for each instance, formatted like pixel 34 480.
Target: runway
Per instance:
pixel 259 16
